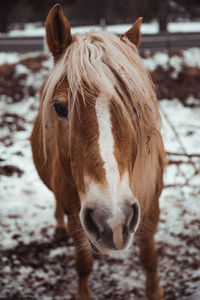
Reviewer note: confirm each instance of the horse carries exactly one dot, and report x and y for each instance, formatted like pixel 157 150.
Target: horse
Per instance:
pixel 97 146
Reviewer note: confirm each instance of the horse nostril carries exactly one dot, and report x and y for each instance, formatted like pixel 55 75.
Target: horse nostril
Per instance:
pixel 99 235
pixel 134 218
pixel 90 224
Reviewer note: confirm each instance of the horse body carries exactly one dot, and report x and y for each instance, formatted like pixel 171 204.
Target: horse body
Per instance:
pixel 96 144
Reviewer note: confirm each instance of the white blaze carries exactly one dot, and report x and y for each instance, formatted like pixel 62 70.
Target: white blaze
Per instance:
pixel 106 144
pixel 112 195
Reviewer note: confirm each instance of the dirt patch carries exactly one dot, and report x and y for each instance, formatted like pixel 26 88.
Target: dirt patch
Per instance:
pixel 13 78
pixel 12 84
pixel 9 170
pixel 186 84
pixel 13 122
pixel 34 64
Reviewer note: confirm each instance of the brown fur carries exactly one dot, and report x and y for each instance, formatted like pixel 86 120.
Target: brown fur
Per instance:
pixel 66 151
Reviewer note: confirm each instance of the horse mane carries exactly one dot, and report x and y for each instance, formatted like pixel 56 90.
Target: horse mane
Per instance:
pixel 102 63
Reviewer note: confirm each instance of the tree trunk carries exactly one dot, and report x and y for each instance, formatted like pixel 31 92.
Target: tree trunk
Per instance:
pixel 162 15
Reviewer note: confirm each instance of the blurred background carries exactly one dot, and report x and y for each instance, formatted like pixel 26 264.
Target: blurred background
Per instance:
pixel 90 12
pixel 33 264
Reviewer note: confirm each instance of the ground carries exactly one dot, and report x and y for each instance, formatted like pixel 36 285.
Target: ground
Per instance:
pixel 33 264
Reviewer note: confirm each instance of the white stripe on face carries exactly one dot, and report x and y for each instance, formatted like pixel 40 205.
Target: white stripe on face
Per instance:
pixel 106 144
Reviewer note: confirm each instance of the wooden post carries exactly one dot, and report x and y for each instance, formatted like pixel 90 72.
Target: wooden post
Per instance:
pixel 102 13
pixel 162 15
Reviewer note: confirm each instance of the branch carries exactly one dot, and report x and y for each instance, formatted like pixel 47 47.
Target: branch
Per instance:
pixel 191 155
pixel 177 162
pixel 180 185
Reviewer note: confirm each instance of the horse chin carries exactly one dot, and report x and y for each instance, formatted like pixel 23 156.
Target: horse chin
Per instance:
pixel 97 251
pixel 106 251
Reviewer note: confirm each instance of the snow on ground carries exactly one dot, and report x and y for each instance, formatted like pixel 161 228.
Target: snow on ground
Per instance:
pixel 9 59
pixel 14 57
pixel 189 57
pixel 183 27
pixel 27 212
pixel 35 29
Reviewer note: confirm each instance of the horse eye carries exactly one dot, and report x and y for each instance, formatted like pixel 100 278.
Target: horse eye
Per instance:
pixel 60 108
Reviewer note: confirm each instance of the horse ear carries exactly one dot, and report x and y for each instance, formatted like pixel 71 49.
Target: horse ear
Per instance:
pixel 58 31
pixel 133 34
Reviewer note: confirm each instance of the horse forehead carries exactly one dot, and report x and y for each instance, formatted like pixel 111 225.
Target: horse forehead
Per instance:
pixel 99 122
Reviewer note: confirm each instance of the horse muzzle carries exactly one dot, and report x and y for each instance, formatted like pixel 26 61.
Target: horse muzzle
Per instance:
pixel 110 230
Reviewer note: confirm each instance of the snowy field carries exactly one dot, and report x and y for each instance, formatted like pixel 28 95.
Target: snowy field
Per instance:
pixel 32 264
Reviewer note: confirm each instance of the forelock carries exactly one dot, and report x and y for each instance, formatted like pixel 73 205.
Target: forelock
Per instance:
pixel 101 63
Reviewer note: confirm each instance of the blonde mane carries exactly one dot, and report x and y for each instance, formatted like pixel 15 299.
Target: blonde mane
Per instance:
pixel 102 63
